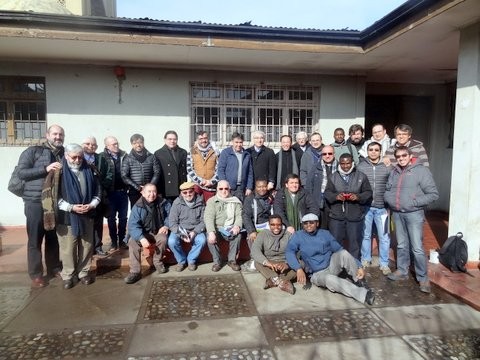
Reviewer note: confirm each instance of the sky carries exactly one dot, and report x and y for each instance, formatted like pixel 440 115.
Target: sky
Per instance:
pixel 301 14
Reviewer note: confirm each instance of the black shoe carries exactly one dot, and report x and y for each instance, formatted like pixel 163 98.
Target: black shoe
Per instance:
pixel 233 265
pixel 370 298
pixel 132 278
pixel 67 284
pixel 123 246
pixel 86 280
pixel 362 283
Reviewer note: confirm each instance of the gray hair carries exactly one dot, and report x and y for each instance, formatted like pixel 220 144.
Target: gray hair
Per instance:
pixel 301 134
pixel 73 148
pixel 258 133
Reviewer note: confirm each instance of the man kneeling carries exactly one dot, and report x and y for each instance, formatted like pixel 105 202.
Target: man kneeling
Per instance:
pixel 268 251
pixel 323 260
pixel 148 230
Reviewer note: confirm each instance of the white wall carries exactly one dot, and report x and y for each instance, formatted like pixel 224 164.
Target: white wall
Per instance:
pixel 85 101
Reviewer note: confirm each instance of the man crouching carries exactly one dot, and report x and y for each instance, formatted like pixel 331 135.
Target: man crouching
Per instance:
pixel 148 229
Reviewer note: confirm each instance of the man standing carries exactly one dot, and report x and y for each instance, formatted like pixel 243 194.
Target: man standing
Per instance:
pixel 347 193
pixel 377 174
pixel 301 142
pixel 202 166
pixel 173 164
pixel 317 181
pixel 263 160
pixel 268 252
pixel 116 191
pixel 323 259
pixel 34 165
pixel 148 228
pixel 223 220
pixel 355 136
pixel 403 136
pixel 100 166
pixel 79 194
pixel 311 156
pixel 292 202
pixel 187 225
pixel 288 161
pixel 235 166
pixel 379 135
pixel 342 147
pixel 410 188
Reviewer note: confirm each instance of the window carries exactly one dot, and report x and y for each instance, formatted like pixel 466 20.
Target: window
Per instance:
pixel 22 110
pixel 222 109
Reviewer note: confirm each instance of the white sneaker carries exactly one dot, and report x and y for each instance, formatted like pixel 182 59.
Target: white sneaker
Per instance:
pixel 385 270
pixel 365 264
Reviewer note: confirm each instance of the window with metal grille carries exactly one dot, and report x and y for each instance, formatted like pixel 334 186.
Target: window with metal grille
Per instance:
pixel 222 109
pixel 22 110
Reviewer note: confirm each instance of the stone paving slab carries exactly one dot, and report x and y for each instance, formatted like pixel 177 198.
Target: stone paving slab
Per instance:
pixel 105 302
pixel 456 345
pixel 364 349
pixel 425 319
pixel 196 336
pixel 274 300
pixel 102 343
pixel 197 297
pixel 336 325
pixel 12 300
pixel 226 354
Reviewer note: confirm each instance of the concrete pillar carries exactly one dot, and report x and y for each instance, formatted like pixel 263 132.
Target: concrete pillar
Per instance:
pixel 465 188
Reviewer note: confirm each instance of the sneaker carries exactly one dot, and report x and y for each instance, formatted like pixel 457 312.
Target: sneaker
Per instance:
pixel 286 286
pixel 132 278
pixel 192 266
pixel 234 265
pixel 385 270
pixel 425 287
pixel 161 269
pixel 271 283
pixel 370 297
pixel 180 267
pixel 366 264
pixel 397 275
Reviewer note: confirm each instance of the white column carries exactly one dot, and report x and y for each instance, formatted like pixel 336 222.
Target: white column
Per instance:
pixel 465 188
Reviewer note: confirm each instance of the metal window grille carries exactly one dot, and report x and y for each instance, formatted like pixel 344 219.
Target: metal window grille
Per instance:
pixel 221 109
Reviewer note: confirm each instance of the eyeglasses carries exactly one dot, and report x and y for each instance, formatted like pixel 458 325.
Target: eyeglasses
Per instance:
pixel 186 192
pixel 401 156
pixel 374 149
pixel 309 222
pixel 75 157
pixel 325 154
pixel 223 189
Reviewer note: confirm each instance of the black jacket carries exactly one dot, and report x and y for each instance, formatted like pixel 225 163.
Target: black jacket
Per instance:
pixel 264 164
pixel 248 214
pixel 306 205
pixel 136 174
pixel 173 173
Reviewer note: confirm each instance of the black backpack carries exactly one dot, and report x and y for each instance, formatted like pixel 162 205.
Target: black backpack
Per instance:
pixel 16 185
pixel 454 253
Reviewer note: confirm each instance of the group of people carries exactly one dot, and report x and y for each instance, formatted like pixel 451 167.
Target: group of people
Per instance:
pixel 308 212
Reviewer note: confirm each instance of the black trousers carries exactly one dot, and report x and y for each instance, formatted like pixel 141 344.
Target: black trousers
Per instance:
pixel 349 234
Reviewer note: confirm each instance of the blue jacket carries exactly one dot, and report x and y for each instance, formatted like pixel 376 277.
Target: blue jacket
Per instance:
pixel 315 250
pixel 228 169
pixel 136 225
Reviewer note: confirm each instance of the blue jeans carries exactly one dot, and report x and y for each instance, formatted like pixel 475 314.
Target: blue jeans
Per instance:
pixel 118 205
pixel 409 233
pixel 375 215
pixel 175 244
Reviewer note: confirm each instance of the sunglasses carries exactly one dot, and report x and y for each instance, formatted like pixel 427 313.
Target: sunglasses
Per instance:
pixel 309 222
pixel 325 154
pixel 401 156
pixel 223 189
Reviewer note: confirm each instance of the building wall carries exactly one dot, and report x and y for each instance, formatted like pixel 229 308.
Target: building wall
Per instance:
pixel 85 101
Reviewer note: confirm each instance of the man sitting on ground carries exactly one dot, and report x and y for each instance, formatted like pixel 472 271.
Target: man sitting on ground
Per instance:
pixel 323 260
pixel 268 252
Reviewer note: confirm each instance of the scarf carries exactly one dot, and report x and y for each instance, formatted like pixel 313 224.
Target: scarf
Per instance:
pixel 325 176
pixel 152 221
pixel 280 164
pixel 345 174
pixel 204 151
pixel 140 156
pixel 49 199
pixel 73 194
pixel 292 210
pixel 57 152
pixel 229 204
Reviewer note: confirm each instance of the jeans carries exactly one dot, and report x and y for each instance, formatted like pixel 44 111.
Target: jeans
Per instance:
pixel 175 244
pixel 379 216
pixel 118 205
pixel 409 233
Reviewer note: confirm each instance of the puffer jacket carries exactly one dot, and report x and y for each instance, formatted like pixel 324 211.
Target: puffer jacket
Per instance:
pixel 34 172
pixel 136 174
pixel 190 218
pixel 348 210
pixel 377 175
pixel 410 189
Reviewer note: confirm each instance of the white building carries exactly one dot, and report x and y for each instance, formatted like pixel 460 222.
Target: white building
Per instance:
pixel 100 75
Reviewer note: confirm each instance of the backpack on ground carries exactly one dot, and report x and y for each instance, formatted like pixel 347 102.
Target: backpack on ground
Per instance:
pixel 454 253
pixel 15 184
